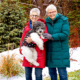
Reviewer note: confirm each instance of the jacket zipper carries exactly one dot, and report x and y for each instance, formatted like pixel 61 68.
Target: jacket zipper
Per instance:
pixel 51 57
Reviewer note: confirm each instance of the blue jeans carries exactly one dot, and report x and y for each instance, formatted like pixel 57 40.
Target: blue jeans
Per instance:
pixel 62 73
pixel 28 73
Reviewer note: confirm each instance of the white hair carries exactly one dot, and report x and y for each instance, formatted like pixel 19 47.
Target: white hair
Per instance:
pixel 50 7
pixel 35 10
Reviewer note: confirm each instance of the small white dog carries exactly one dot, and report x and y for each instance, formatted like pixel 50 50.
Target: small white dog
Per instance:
pixel 28 49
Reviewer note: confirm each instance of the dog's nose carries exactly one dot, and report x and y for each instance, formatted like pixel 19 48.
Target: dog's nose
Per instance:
pixel 40 31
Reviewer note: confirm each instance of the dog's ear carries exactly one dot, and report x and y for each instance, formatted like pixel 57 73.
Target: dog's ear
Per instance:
pixel 42 24
pixel 32 30
pixel 34 26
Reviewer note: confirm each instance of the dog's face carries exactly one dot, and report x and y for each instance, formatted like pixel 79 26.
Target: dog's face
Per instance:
pixel 39 27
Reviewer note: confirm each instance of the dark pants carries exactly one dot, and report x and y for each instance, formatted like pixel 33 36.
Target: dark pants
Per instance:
pixel 28 73
pixel 62 73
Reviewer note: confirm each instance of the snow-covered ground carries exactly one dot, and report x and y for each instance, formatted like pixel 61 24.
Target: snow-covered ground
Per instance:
pixel 74 65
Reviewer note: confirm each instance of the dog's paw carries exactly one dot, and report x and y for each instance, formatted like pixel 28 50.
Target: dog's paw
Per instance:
pixel 41 48
pixel 42 37
pixel 37 64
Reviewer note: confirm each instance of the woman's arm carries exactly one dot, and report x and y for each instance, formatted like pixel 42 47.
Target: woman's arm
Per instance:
pixel 65 32
pixel 60 36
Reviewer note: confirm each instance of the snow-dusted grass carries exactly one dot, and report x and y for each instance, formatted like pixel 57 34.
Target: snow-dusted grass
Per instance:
pixel 74 65
pixel 10 66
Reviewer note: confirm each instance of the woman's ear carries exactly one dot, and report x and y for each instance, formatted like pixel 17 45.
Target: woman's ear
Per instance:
pixel 46 14
pixel 39 16
pixel 29 16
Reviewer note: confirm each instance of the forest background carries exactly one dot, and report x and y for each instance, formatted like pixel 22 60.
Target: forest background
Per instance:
pixel 14 14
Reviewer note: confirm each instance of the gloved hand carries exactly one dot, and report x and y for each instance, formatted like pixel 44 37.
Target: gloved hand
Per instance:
pixel 47 36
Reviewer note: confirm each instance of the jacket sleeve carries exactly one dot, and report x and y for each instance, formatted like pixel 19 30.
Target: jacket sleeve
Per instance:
pixel 64 32
pixel 23 35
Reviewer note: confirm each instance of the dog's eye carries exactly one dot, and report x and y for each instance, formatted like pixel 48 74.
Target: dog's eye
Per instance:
pixel 37 28
pixel 42 28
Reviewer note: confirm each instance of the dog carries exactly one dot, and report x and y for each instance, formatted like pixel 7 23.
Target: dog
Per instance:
pixel 28 49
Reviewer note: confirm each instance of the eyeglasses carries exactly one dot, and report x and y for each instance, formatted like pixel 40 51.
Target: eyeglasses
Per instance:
pixel 51 12
pixel 34 15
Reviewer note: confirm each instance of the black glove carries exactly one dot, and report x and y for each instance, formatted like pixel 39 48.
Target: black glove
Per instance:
pixel 47 36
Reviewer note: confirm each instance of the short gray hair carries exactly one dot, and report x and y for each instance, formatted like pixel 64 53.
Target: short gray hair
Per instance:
pixel 51 6
pixel 35 10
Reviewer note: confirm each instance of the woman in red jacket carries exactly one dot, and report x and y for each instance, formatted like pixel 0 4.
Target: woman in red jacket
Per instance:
pixel 41 56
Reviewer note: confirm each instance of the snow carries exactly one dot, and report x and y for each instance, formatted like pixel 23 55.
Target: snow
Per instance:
pixel 74 65
pixel 75 54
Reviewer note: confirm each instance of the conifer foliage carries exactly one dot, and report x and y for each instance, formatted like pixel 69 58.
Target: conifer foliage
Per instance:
pixel 12 20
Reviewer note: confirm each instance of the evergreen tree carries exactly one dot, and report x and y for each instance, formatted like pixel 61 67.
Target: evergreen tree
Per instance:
pixel 12 20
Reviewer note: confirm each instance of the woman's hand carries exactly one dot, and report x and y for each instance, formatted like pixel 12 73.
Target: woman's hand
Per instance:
pixel 28 39
pixel 47 36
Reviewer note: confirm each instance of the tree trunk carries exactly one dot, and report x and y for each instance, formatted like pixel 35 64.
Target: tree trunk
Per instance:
pixel 1 1
pixel 62 6
pixel 65 4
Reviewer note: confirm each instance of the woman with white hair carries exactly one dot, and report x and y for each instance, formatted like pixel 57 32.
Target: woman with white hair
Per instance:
pixel 57 50
pixel 34 16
